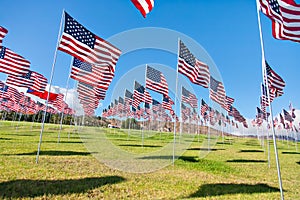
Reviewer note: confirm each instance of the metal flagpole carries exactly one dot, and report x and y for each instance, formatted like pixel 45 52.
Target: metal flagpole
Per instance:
pixel 62 113
pixel 50 83
pixel 174 134
pixel 270 106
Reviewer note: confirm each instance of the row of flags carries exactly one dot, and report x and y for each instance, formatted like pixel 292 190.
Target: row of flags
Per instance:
pixel 286 119
pixel 13 100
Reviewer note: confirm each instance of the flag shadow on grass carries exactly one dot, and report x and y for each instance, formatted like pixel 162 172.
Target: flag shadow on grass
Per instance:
pixel 251 151
pixel 139 145
pixel 53 153
pixel 25 188
pixel 290 152
pixel 219 189
pixel 246 161
pixel 204 149
pixel 298 163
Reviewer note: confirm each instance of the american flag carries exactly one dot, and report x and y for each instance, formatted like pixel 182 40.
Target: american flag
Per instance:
pixel 3 91
pixel 128 96
pixel 264 96
pixel 138 94
pixel 99 77
pixel 204 107
pixel 20 81
pixel 156 106
pixel 59 102
pixel 39 81
pixel 79 42
pixel 144 6
pixel 275 82
pixel 14 94
pixel 147 96
pixel 166 103
pixel 156 81
pixel 217 91
pixel 188 97
pixel 285 16
pixel 228 102
pixel 100 93
pixel 191 67
pixel 3 32
pixel 12 63
pixel 31 80
pixel 287 116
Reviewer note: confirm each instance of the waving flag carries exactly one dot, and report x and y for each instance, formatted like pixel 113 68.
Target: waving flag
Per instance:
pixel 31 80
pixel 217 91
pixel 39 81
pixel 188 97
pixel 79 42
pixel 166 103
pixel 204 107
pixel 3 32
pixel 285 16
pixel 99 77
pixel 156 81
pixel 275 82
pixel 128 96
pixel 191 67
pixel 138 94
pixel 12 63
pixel 144 6
pixel 20 81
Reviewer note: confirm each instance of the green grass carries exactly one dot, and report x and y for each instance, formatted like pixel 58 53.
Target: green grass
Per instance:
pixel 234 169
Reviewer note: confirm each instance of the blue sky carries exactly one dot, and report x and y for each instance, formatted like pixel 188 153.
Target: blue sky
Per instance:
pixel 227 31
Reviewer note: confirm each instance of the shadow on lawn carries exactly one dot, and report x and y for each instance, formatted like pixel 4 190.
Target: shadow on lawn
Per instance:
pixel 191 159
pixel 250 151
pixel 298 163
pixel 219 189
pixel 204 149
pixel 246 161
pixel 35 188
pixel 286 152
pixel 54 153
pixel 138 145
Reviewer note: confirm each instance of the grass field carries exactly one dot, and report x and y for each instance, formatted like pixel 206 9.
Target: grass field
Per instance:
pixel 236 168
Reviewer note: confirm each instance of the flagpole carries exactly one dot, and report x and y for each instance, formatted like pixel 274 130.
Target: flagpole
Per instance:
pixel 67 88
pixel 176 90
pixel 50 83
pixel 270 106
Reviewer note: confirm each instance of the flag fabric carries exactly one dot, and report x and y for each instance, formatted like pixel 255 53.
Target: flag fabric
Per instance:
pixel 3 32
pixel 156 81
pixel 20 81
pixel 147 97
pixel 166 103
pixel 189 97
pixel 144 6
pixel 204 107
pixel 287 116
pixel 190 66
pixel 228 102
pixel 264 96
pixel 128 97
pixel 31 80
pixel 39 81
pixel 285 16
pixel 100 77
pixel 217 91
pixel 12 63
pixel 79 42
pixel 43 95
pixel 275 83
pixel 138 94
